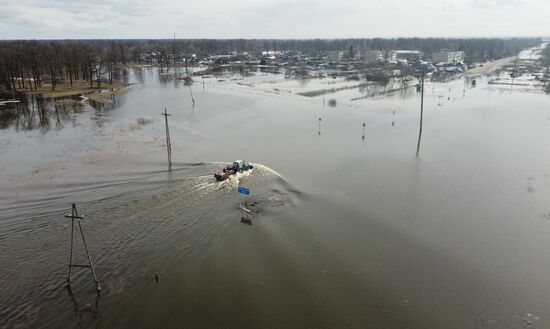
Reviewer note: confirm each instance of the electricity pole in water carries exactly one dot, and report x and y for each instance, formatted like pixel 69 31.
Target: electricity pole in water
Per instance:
pixel 74 215
pixel 421 113
pixel 168 144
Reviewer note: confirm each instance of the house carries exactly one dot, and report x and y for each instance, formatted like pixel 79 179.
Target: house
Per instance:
pixel 409 55
pixel 446 56
pixel 374 56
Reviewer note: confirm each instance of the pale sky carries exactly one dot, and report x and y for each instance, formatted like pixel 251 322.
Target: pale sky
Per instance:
pixel 144 19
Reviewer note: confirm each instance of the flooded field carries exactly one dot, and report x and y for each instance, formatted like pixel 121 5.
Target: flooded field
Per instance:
pixel 356 231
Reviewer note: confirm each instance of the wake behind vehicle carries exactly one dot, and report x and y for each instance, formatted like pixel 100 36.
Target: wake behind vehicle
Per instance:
pixel 236 167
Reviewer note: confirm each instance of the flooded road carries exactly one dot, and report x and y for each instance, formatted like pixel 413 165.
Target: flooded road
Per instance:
pixel 355 232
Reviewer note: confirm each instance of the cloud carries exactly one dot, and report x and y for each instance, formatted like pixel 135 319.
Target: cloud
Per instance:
pixel 24 19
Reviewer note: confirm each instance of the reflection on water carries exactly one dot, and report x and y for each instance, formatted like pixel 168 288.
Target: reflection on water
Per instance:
pixel 43 113
pixel 87 311
pixel 36 112
pixel 392 87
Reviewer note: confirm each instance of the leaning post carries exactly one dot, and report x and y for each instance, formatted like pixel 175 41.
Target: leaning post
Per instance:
pixel 168 143
pixel 421 112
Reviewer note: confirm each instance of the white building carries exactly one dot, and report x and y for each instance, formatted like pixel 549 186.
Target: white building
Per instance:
pixel 374 56
pixel 446 56
pixel 406 54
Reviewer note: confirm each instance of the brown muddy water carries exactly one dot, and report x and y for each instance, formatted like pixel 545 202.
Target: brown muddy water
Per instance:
pixel 355 232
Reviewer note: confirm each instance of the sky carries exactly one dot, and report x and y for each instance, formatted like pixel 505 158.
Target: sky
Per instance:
pixel 286 19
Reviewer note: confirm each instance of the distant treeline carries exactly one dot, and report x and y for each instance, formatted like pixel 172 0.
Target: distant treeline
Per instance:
pixel 25 64
pixel 476 49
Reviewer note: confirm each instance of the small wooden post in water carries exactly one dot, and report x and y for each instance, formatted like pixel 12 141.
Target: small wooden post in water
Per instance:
pixel 74 216
pixel 192 98
pixel 319 126
pixel 168 143
pixel 421 113
pixel 364 124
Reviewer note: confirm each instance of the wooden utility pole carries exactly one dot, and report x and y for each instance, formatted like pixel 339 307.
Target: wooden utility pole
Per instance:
pixel 174 51
pixel 514 73
pixel 421 112
pixel 74 216
pixel 168 144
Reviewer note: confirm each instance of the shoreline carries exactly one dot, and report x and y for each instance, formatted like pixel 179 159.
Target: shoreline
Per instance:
pixel 66 90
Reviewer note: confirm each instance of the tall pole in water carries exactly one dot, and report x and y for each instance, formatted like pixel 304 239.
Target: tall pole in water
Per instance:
pixel 168 144
pixel 191 93
pixel 421 112
pixel 74 216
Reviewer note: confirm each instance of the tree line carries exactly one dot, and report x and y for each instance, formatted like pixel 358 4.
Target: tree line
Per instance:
pixel 476 49
pixel 27 65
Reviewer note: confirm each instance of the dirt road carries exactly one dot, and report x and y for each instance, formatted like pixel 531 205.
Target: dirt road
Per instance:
pixel 490 67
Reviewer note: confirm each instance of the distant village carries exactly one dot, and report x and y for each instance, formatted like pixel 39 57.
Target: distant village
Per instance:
pixel 374 65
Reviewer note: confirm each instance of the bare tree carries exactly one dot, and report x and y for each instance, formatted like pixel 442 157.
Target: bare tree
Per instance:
pixel 545 58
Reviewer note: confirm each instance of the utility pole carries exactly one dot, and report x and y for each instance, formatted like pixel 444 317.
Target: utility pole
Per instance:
pixel 74 216
pixel 514 72
pixel 174 51
pixel 421 112
pixel 168 143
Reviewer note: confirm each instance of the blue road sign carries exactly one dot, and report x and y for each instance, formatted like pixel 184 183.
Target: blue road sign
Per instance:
pixel 243 190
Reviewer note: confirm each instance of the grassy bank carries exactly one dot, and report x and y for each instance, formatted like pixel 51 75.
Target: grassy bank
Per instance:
pixel 65 89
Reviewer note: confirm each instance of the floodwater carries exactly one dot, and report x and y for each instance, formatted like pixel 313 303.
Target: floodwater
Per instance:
pixel 356 232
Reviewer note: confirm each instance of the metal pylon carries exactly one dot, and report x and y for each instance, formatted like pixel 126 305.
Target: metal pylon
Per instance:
pixel 74 216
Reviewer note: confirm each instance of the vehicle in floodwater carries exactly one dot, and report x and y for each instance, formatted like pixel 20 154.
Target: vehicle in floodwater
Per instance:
pixel 236 167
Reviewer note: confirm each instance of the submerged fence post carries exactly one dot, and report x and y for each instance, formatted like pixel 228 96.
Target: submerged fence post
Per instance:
pixel 168 143
pixel 192 98
pixel 421 113
pixel 74 216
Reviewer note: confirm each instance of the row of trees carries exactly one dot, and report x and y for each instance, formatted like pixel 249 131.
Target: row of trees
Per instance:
pixel 26 64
